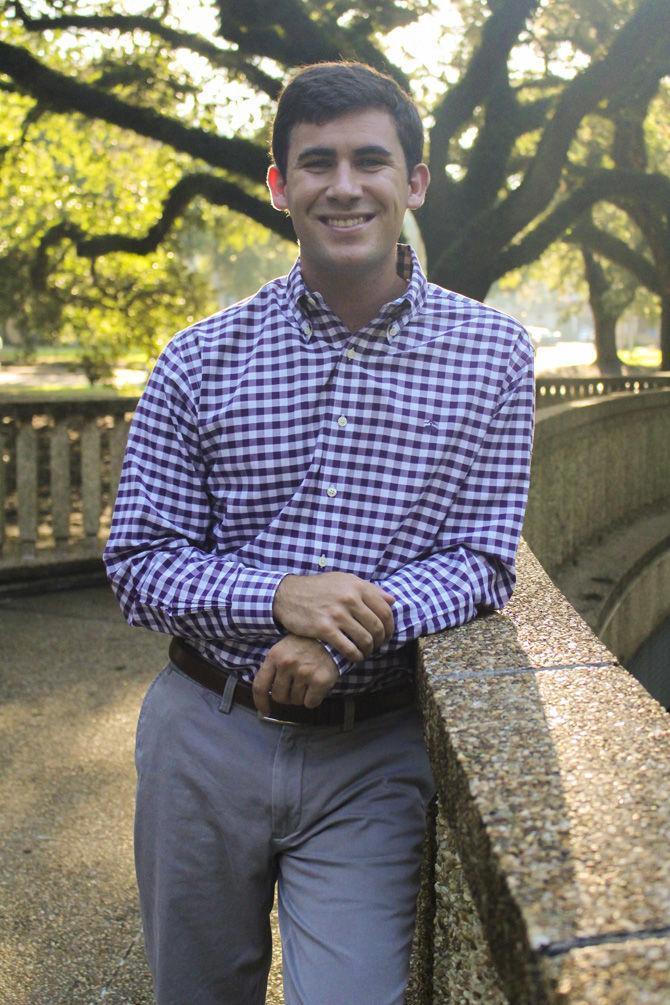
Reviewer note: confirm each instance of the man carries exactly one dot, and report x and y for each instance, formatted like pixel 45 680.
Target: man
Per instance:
pixel 315 478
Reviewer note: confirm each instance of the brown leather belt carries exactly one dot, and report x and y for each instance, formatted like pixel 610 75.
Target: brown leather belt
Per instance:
pixel 336 710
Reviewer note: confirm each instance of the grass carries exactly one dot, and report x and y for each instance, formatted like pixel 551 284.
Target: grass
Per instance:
pixel 64 355
pixel 82 393
pixel 641 355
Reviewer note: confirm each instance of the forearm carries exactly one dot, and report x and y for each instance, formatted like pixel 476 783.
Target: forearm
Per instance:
pixel 443 591
pixel 159 557
pixel 184 591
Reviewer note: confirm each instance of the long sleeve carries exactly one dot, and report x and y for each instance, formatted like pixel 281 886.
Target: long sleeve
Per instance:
pixel 472 568
pixel 158 556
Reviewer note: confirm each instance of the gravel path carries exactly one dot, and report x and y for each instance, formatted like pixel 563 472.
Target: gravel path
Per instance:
pixel 73 678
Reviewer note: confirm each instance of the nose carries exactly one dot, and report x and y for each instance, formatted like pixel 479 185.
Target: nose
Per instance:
pixel 344 183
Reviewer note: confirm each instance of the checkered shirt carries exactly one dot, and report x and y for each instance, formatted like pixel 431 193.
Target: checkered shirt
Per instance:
pixel 272 440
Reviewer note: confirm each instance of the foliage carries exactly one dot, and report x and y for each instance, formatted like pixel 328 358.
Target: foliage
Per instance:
pixel 141 119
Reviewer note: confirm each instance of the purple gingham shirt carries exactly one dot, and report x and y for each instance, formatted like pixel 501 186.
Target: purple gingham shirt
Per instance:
pixel 270 439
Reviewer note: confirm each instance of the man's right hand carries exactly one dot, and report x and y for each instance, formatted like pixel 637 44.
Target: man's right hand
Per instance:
pixel 350 614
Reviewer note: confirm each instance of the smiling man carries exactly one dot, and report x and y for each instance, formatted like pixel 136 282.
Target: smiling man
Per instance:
pixel 315 478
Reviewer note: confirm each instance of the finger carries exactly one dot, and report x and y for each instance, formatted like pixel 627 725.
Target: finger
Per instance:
pixel 338 640
pixel 361 627
pixel 382 611
pixel 314 695
pixel 263 681
pixel 378 620
pixel 297 693
pixel 281 685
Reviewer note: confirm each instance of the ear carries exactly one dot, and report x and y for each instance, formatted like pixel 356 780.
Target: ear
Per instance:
pixel 277 187
pixel 419 180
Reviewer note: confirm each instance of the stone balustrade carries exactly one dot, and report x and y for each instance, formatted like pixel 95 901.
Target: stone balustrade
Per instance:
pixel 546 875
pixel 61 458
pixel 558 390
pixel 59 470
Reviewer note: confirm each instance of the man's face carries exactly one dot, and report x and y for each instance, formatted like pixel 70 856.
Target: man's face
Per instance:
pixel 347 190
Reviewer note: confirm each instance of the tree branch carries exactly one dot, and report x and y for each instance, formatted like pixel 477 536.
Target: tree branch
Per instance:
pixel 215 190
pixel 64 94
pixel 602 186
pixel 218 57
pixel 284 31
pixel 499 34
pixel 638 44
pixel 617 251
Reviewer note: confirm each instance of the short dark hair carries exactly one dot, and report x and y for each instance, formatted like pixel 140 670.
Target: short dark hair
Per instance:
pixel 324 91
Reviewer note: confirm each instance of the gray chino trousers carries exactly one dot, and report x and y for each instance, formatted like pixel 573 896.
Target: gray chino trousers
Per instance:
pixel 229 805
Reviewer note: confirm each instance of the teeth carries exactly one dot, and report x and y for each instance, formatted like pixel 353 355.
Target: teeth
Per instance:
pixel 354 221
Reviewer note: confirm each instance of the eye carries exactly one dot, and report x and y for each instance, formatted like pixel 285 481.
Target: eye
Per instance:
pixel 316 165
pixel 371 163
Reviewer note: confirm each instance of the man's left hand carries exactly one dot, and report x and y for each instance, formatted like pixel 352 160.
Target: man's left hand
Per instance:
pixel 298 671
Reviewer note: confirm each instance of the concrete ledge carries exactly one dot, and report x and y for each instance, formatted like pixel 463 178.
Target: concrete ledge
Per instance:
pixel 51 569
pixel 596 463
pixel 554 821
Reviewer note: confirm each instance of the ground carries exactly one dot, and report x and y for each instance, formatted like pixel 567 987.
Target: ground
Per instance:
pixel 73 678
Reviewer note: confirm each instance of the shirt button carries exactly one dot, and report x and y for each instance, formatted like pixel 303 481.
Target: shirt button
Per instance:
pixel 351 353
pixel 322 562
pixel 392 329
pixel 342 421
pixel 306 328
pixel 331 491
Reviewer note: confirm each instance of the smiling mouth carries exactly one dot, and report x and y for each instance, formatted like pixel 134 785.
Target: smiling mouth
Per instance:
pixel 346 222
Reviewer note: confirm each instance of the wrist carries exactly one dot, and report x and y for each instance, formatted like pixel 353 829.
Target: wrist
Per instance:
pixel 277 601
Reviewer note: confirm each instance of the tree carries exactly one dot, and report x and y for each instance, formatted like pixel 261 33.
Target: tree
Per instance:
pixel 649 266
pixel 505 185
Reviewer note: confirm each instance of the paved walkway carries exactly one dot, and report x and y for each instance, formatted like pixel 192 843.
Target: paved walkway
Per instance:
pixel 73 676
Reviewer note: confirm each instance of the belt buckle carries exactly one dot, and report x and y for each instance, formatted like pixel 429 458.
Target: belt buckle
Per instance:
pixel 276 718
pixel 279 722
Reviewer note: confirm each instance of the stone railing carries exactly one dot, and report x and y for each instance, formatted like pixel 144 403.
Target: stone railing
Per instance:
pixel 61 460
pixel 596 463
pixel 557 390
pixel 60 466
pixel 547 878
pixel 546 874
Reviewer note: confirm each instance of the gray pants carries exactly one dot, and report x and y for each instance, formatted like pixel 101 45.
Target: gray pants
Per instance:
pixel 227 805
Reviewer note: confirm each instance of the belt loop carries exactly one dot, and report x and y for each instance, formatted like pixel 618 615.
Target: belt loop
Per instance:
pixel 349 714
pixel 228 695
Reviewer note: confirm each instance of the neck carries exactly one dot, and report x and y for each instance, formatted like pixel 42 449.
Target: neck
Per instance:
pixel 356 300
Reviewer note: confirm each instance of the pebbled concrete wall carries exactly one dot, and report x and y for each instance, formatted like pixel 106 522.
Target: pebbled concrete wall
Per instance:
pixel 596 463
pixel 551 876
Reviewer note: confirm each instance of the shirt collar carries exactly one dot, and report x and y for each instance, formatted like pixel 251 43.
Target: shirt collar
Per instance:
pixel 313 316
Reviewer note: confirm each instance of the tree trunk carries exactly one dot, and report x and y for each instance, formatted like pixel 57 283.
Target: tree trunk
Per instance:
pixel 607 359
pixel 604 319
pixel 665 331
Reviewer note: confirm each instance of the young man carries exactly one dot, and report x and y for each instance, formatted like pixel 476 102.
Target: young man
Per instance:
pixel 315 478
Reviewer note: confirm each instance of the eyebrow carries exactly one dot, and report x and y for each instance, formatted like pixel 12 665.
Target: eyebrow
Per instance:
pixel 371 149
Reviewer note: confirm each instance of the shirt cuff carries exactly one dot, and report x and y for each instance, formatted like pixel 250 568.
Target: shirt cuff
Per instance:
pixel 341 662
pixel 251 602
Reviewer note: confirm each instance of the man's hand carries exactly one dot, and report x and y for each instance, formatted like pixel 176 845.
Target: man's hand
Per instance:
pixel 350 614
pixel 297 671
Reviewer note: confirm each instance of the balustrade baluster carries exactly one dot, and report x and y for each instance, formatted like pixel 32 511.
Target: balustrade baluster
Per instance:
pixel 118 435
pixel 26 487
pixel 90 478
pixel 59 460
